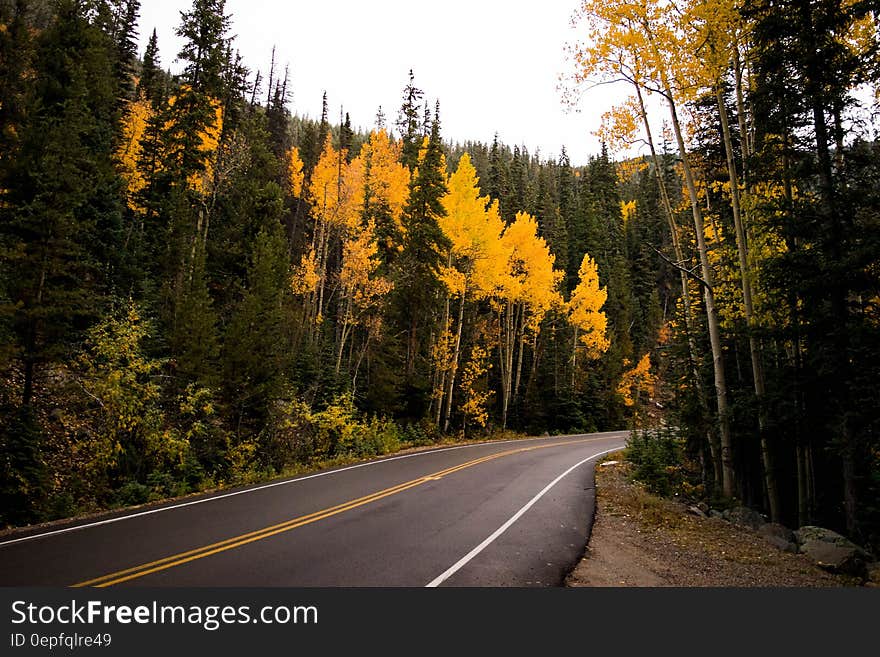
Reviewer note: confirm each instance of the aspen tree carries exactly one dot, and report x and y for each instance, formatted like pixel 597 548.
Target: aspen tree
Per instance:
pixel 643 31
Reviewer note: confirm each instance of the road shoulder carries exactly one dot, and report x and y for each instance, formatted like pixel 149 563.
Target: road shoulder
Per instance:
pixel 639 539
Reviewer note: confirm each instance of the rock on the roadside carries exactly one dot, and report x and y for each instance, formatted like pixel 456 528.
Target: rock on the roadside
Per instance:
pixel 779 536
pixel 831 551
pixel 742 515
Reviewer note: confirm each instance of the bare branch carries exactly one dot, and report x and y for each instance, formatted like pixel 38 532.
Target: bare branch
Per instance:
pixel 687 271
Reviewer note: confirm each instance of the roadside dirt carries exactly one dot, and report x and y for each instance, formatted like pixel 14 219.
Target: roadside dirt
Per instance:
pixel 639 539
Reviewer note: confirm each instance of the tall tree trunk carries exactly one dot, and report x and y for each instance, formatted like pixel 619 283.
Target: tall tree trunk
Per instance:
pixel 711 440
pixel 521 340
pixel 728 478
pixel 507 321
pixel 454 365
pixel 440 374
pixel 819 97
pixel 745 279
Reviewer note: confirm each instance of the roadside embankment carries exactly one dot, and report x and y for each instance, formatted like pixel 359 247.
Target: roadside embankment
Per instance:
pixel 639 539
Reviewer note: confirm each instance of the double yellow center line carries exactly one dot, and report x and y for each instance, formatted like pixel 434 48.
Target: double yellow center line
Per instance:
pixel 181 558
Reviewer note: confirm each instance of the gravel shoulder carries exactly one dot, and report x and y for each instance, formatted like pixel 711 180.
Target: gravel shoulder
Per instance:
pixel 639 539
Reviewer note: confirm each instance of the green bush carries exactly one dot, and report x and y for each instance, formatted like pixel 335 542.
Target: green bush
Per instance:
pixel 418 435
pixel 657 455
pixel 131 494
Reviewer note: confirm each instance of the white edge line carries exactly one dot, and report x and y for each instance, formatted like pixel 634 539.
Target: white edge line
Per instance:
pixel 461 563
pixel 172 507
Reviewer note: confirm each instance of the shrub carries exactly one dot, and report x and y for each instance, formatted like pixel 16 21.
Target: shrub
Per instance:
pixel 657 455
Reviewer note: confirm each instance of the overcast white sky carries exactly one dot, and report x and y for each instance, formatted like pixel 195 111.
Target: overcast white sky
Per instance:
pixel 493 64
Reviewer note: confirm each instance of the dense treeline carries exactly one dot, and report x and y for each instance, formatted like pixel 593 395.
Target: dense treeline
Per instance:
pixel 772 214
pixel 199 288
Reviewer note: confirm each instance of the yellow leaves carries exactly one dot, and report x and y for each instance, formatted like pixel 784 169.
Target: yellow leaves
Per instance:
pixel 359 279
pixel 454 280
pixel 386 181
pixel 295 175
pixel 120 379
pixel 477 255
pixel 584 309
pixel 209 140
pixel 337 190
pixel 134 124
pixel 530 278
pixel 629 169
pixel 627 210
pixel 465 209
pixel 441 355
pixel 619 127
pixel 861 36
pixel 305 277
pixel 636 381
pixel 476 401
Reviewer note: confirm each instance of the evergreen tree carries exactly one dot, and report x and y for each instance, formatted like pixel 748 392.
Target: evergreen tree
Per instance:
pixel 62 211
pixel 409 125
pixel 151 84
pixel 416 285
pixel 203 29
pixel 256 356
pixel 59 228
pixel 278 117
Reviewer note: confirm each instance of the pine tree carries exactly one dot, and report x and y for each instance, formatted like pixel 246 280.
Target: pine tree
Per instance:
pixel 204 28
pixel 256 358
pixel 59 227
pixel 408 124
pixel 278 117
pixel 416 286
pixel 151 84
pixel 62 211
pixel 126 38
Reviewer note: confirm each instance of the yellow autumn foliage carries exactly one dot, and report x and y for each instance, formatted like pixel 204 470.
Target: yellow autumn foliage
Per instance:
pixel 305 278
pixel 530 277
pixel 137 115
pixel 359 278
pixel 386 181
pixel 584 309
pixel 295 175
pixel 636 381
pixel 336 190
pixel 475 407
pixel 473 226
pixel 627 210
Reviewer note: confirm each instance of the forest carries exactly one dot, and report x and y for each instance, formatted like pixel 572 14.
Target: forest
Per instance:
pixel 202 288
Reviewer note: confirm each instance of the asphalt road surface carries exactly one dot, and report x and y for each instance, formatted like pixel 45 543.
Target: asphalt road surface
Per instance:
pixel 510 513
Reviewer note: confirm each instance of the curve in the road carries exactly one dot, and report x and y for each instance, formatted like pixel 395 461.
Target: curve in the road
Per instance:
pixel 174 560
pixel 519 511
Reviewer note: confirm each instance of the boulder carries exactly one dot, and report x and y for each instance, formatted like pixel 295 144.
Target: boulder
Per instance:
pixel 831 551
pixel 715 513
pixel 781 544
pixel 813 533
pixel 772 529
pixel 696 511
pixel 742 515
pixel 779 536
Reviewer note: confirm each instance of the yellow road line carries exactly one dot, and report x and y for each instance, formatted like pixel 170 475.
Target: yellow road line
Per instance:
pixel 181 558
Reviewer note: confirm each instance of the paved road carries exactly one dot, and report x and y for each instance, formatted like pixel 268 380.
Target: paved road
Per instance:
pixel 497 514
